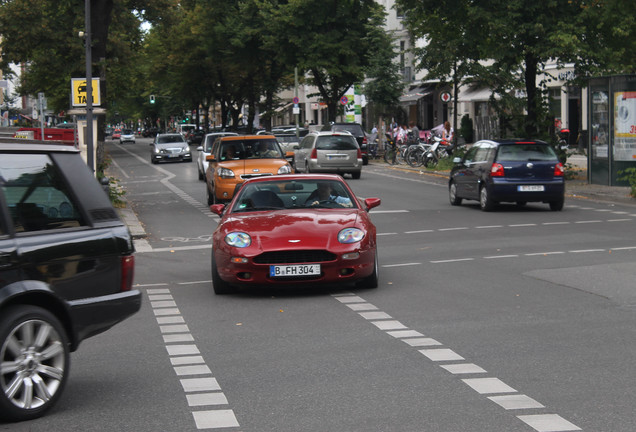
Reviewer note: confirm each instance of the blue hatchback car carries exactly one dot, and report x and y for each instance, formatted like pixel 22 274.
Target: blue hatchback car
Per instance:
pixel 511 170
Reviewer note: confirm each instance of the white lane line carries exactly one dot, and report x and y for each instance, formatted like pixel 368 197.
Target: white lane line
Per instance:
pixel 452 260
pixel 514 402
pixel 453 229
pixel 401 265
pixel 523 225
pixel 201 389
pixel 420 342
pixel 215 419
pixel 505 396
pixel 463 368
pixel 586 250
pixel 374 211
pixel 544 253
pixel 501 256
pixel 588 221
pixel 376 315
pixel 419 231
pixel 441 354
pixel 555 223
pixel 488 385
pixel 488 226
pixel 548 423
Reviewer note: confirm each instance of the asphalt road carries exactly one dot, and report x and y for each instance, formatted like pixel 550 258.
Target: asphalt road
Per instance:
pixel 521 319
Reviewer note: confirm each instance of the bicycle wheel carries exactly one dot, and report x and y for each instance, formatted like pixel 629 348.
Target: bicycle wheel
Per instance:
pixel 414 157
pixel 399 156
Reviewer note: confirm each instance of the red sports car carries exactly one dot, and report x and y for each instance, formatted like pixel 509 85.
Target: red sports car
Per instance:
pixel 294 230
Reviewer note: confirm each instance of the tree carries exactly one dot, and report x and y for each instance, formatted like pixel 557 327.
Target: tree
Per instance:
pixel 329 39
pixel 451 51
pixel 505 44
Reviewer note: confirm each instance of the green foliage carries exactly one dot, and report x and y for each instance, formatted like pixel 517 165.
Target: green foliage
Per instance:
pixel 466 128
pixel 629 175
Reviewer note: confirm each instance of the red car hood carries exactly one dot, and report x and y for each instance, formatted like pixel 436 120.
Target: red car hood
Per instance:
pixel 293 229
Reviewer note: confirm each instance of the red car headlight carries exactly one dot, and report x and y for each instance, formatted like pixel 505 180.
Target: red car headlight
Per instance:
pixel 350 235
pixel 238 239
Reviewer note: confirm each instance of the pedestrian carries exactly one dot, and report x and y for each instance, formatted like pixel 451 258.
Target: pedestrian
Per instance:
pixel 448 133
pixel 415 133
pixel 402 135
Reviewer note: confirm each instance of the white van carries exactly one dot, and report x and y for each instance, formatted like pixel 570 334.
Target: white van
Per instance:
pixel 183 129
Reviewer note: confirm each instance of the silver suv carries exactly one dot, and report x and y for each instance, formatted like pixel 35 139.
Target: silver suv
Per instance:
pixel 329 152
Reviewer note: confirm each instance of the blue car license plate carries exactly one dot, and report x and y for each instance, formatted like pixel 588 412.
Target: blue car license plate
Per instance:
pixel 531 188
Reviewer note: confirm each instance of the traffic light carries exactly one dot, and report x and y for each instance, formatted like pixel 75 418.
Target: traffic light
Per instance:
pixel 152 99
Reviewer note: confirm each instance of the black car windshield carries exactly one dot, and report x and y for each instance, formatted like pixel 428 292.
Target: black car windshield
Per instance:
pixel 292 194
pixel 354 129
pixel 525 152
pixel 165 139
pixel 336 142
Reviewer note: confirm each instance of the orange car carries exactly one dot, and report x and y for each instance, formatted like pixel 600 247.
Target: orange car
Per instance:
pixel 234 159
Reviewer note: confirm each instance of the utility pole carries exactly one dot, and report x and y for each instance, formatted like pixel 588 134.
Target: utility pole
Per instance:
pixel 89 88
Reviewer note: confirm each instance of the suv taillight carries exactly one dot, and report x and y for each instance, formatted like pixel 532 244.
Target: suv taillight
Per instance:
pixel 127 272
pixel 359 153
pixel 314 154
pixel 497 170
pixel 364 140
pixel 558 170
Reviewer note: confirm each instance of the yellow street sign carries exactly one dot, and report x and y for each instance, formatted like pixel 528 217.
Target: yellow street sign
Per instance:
pixel 78 88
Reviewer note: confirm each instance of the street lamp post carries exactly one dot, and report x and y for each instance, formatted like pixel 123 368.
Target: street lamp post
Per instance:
pixel 89 88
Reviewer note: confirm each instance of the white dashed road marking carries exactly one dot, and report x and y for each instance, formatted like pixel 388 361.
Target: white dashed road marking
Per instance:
pixel 202 390
pixel 496 390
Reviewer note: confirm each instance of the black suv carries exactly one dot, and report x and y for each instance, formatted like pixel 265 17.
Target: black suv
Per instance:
pixel 356 130
pixel 66 271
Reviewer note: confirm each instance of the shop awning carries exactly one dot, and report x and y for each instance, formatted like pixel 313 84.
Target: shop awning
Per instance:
pixel 475 95
pixel 284 107
pixel 415 94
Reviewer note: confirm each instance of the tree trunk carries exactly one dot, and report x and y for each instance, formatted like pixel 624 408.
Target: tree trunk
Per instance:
pixel 531 92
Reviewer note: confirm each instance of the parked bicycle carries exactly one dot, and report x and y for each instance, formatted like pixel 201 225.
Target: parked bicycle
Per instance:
pixel 440 149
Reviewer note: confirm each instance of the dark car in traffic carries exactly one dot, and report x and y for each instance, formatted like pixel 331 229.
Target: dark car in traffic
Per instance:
pixel 511 170
pixel 66 271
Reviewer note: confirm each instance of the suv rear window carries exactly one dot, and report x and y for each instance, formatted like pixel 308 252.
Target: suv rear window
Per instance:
pixel 354 129
pixel 336 142
pixel 525 152
pixel 36 193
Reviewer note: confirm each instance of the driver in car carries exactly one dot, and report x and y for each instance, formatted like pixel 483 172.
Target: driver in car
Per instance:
pixel 324 192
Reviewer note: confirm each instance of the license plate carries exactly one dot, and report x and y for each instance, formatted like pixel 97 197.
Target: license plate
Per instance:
pixel 531 188
pixel 294 270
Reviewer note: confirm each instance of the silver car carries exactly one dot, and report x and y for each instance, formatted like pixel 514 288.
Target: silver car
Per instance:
pixel 328 152
pixel 204 150
pixel 127 135
pixel 170 148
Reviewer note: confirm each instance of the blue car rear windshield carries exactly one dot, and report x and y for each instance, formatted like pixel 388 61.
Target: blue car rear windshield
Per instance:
pixel 525 152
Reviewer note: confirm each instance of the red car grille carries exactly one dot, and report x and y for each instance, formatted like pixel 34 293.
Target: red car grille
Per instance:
pixel 294 257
